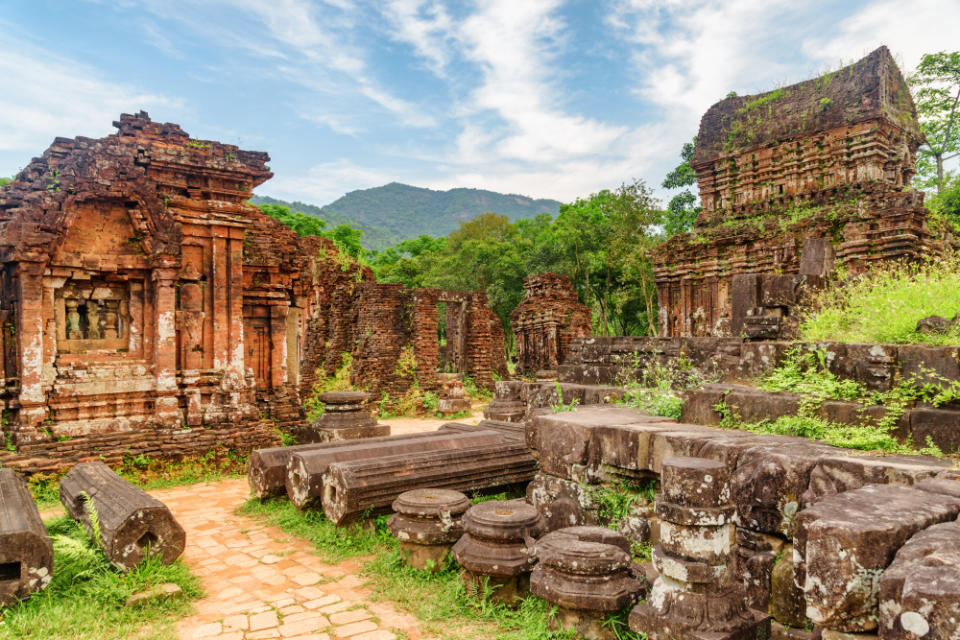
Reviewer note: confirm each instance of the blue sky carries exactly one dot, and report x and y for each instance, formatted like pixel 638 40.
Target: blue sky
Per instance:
pixel 540 97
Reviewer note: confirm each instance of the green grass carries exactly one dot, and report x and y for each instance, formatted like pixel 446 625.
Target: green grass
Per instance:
pixel 148 473
pixel 438 599
pixel 86 598
pixel 885 304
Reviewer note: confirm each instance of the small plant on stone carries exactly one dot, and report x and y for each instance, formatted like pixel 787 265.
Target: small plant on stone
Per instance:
pixel 560 406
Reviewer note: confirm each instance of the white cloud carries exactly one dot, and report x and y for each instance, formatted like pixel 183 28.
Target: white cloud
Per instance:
pixel 426 26
pixel 43 93
pixel 909 31
pixel 327 181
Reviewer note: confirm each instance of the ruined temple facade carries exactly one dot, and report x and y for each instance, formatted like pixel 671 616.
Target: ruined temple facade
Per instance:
pixel 142 296
pixel 545 322
pixel 794 183
pixel 390 337
pixel 147 308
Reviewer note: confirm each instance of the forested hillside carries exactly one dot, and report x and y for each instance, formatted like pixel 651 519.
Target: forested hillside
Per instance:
pixel 396 212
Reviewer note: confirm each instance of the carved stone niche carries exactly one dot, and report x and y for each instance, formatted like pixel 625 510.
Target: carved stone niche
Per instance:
pixel 92 316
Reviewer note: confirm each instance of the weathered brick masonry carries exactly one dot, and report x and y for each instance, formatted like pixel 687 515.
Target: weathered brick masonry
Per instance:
pixel 793 182
pixel 545 322
pixel 147 308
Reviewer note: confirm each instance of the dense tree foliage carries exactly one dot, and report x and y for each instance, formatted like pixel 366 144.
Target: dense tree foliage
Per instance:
pixel 683 209
pixel 601 242
pixel 936 91
pixel 344 236
pixel 5 181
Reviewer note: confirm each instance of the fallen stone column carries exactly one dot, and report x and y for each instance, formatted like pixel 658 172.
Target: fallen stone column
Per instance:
pixel 696 595
pixel 586 572
pixel 26 555
pixel 267 468
pixel 427 522
pixel 352 488
pixel 497 545
pixel 508 429
pixel 123 520
pixel 305 471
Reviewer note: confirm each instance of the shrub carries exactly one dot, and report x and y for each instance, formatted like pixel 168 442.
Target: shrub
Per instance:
pixel 885 304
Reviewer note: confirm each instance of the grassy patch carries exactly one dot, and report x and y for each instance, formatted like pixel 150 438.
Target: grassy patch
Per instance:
pixel 885 304
pixel 660 388
pixel 148 473
pixel 444 607
pixel 86 599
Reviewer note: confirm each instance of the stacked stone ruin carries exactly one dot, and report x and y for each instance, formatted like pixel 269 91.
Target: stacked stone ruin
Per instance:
pixel 545 322
pixel 346 416
pixel 142 298
pixel 794 182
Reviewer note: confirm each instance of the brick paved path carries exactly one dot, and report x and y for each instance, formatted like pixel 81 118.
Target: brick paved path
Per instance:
pixel 263 583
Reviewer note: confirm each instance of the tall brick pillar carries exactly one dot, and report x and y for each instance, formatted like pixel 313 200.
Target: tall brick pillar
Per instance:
pixel 33 409
pixel 165 345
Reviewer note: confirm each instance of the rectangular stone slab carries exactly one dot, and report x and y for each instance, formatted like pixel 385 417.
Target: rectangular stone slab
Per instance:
pixel 354 488
pixel 124 521
pixel 843 472
pixel 844 543
pixel 267 468
pixel 304 478
pixel 26 554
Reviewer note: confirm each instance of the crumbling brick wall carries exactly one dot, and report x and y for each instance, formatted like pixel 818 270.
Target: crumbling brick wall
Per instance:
pixel 825 160
pixel 545 322
pixel 143 296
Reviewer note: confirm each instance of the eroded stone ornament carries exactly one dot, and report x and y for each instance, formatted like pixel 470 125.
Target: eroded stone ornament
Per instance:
pixel 427 522
pixel 496 549
pixel 696 597
pixel 587 572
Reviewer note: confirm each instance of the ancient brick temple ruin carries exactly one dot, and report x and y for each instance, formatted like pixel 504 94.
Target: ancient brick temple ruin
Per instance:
pixel 142 297
pixel 545 322
pixel 794 182
pixel 390 337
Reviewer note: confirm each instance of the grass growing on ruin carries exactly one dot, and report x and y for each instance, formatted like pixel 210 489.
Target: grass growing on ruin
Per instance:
pixel 87 597
pixel 885 304
pixel 660 388
pixel 438 599
pixel 149 473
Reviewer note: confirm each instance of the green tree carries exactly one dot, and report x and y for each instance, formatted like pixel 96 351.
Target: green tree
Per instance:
pixel 936 85
pixel 683 209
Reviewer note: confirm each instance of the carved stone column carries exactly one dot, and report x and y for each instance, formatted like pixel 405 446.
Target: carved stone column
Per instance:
pixel 696 597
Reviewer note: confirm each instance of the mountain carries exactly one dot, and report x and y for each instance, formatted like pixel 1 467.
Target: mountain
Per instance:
pixel 397 211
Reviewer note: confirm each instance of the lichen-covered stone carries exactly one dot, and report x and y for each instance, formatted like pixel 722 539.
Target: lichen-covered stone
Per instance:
pixel 844 542
pixel 920 590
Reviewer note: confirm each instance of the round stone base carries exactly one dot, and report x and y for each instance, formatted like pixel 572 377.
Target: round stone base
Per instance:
pixel 425 557
pixel 508 591
pixel 587 624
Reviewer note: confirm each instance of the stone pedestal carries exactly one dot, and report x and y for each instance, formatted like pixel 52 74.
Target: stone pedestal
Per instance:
pixel 696 597
pixel 427 522
pixel 586 572
pixel 496 549
pixel 453 397
pixel 345 417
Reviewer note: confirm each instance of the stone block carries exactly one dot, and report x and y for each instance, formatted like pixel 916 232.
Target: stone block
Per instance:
pixel 920 590
pixel 838 473
pixel 844 542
